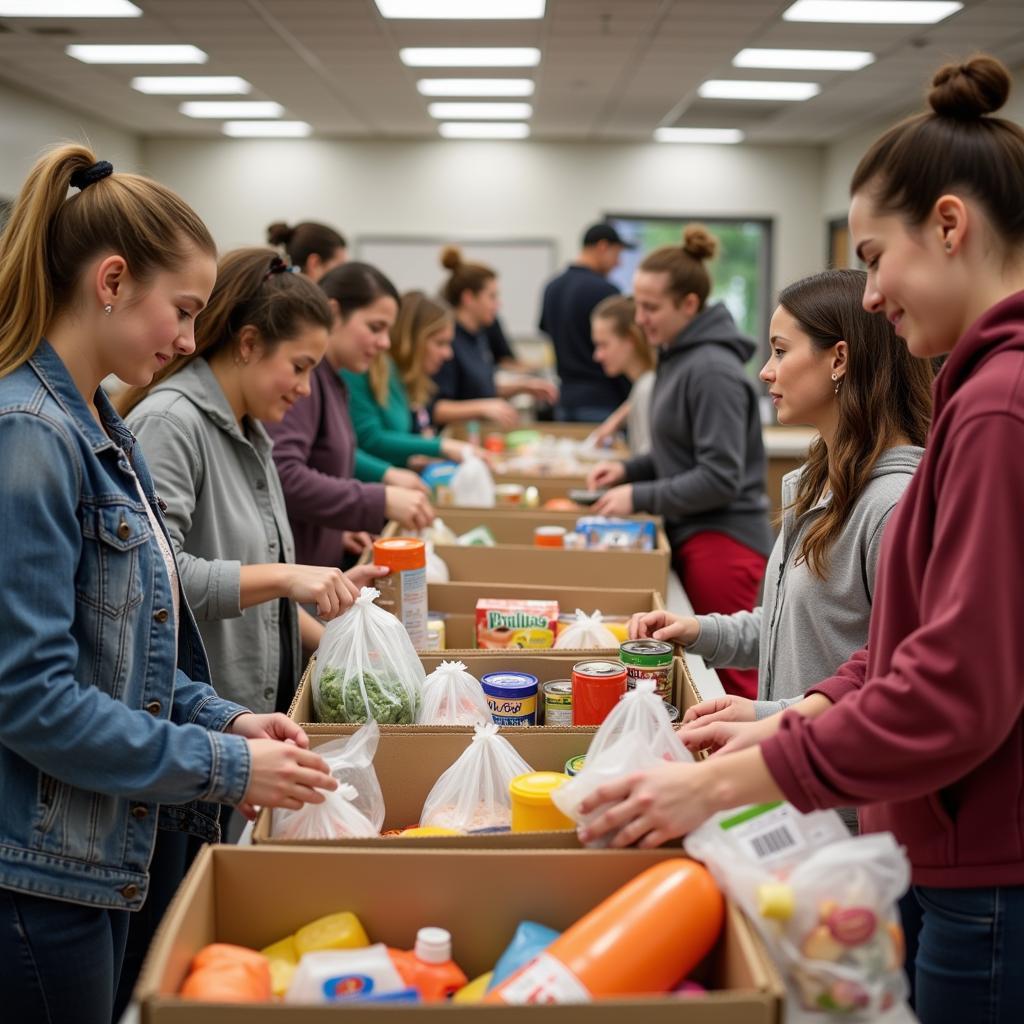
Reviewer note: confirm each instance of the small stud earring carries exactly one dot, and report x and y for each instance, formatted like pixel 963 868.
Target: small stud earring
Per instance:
pixel 108 309
pixel 949 247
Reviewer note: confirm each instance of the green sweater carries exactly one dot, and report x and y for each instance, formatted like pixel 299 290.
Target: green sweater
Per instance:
pixel 384 434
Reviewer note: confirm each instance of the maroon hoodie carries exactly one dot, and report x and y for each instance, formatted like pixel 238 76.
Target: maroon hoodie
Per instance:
pixel 927 730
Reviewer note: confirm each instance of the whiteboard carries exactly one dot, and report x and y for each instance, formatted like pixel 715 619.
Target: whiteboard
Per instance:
pixel 524 266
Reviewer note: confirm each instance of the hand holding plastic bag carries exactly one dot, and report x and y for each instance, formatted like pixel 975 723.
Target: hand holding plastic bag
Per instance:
pixel 336 818
pixel 366 667
pixel 451 696
pixel 636 735
pixel 587 633
pixel 823 901
pixel 472 484
pixel 474 792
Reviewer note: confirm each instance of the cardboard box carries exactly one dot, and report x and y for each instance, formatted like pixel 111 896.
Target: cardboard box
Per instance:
pixel 513 525
pixel 253 897
pixel 455 603
pixel 575 431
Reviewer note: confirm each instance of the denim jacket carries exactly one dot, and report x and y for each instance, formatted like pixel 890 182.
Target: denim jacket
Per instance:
pixel 106 730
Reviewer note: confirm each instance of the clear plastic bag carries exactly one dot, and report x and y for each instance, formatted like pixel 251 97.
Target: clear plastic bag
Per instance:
pixel 823 901
pixel 437 569
pixel 350 760
pixel 474 792
pixel 472 484
pixel 438 532
pixel 636 735
pixel 366 667
pixel 586 633
pixel 451 696
pixel 336 818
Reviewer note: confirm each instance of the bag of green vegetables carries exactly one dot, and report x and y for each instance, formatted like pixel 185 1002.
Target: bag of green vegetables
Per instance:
pixel 366 668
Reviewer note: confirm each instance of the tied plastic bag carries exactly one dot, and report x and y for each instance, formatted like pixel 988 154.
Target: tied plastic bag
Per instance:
pixel 350 760
pixel 437 569
pixel 451 696
pixel 366 667
pixel 824 903
pixel 473 793
pixel 438 532
pixel 636 735
pixel 587 633
pixel 472 484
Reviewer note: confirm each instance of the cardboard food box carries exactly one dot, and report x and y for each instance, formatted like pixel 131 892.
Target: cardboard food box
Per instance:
pixel 505 623
pixel 455 604
pixel 254 897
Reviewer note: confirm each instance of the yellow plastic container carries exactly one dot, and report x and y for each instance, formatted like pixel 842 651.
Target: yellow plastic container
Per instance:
pixel 335 931
pixel 474 991
pixel 430 830
pixel 532 809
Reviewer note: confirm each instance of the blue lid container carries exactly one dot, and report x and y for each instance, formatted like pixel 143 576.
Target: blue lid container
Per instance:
pixel 509 684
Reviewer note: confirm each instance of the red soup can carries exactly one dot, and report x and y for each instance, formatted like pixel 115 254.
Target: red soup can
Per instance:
pixel 597 687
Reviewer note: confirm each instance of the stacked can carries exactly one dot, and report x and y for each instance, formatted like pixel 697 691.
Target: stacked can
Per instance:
pixel 648 659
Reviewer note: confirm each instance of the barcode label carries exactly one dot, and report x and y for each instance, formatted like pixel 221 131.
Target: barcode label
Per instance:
pixel 768 834
pixel 773 842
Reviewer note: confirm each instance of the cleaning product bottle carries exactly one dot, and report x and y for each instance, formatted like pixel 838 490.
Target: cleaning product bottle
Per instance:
pixel 640 940
pixel 429 967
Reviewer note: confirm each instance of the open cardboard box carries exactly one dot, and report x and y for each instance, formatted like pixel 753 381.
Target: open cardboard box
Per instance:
pixel 456 604
pixel 253 897
pixel 575 431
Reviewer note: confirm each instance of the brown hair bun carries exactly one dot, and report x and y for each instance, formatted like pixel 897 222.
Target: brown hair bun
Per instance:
pixel 279 233
pixel 970 90
pixel 698 242
pixel 451 257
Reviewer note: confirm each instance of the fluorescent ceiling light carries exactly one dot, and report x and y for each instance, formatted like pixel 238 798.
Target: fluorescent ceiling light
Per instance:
pixel 238 108
pixel 483 130
pixel 267 129
pixel 192 85
pixel 475 87
pixel 720 136
pixel 480 111
pixel 505 10
pixel 724 89
pixel 104 54
pixel 806 60
pixel 470 56
pixel 68 9
pixel 872 12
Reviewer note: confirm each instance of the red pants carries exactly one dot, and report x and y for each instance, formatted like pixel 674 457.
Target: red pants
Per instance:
pixel 720 574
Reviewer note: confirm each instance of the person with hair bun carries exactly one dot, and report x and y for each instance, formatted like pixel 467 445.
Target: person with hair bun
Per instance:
pixel 313 248
pixel 706 467
pixel 924 727
pixel 466 387
pixel 110 731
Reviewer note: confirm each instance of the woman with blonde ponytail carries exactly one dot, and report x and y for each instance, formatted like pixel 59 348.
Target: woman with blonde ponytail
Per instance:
pixel 706 467
pixel 106 707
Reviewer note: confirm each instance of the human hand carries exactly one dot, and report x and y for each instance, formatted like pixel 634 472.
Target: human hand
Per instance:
pixel 662 625
pixel 395 477
pixel 616 502
pixel 410 509
pixel 327 588
pixel 542 389
pixel 650 807
pixel 501 412
pixel 727 737
pixel 285 775
pixel 605 474
pixel 364 575
pixel 269 727
pixel 355 542
pixel 728 708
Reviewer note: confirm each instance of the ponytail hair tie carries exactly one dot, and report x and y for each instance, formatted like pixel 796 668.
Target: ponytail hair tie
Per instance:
pixel 277 266
pixel 86 176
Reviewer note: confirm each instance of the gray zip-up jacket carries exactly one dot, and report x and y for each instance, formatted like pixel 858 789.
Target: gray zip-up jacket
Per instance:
pixel 225 509
pixel 807 627
pixel 705 469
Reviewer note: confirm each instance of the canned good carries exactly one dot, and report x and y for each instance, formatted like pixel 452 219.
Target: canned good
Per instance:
pixel 672 711
pixel 509 494
pixel 596 689
pixel 558 702
pixel 648 659
pixel 575 765
pixel 532 807
pixel 549 536
pixel 511 696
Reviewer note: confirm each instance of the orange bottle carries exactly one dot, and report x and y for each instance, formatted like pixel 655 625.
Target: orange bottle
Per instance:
pixel 640 940
pixel 429 967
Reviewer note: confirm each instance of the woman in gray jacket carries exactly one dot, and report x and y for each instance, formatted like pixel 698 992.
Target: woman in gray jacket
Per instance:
pixel 843 371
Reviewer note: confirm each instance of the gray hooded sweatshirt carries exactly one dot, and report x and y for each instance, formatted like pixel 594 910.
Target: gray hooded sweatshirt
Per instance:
pixel 225 509
pixel 807 627
pixel 706 466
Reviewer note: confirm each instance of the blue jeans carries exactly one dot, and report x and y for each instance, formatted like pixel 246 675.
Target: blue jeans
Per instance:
pixel 60 960
pixel 970 948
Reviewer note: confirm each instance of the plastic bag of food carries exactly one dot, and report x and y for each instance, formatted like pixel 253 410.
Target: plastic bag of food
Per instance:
pixel 366 667
pixel 350 760
pixel 635 735
pixel 439 532
pixel 474 792
pixel 451 696
pixel 472 484
pixel 437 568
pixel 586 633
pixel 824 903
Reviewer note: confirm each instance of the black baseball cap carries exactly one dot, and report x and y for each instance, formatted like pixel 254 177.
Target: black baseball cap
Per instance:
pixel 605 232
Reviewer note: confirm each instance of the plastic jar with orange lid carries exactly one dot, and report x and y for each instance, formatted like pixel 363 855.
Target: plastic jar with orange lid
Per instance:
pixel 403 592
